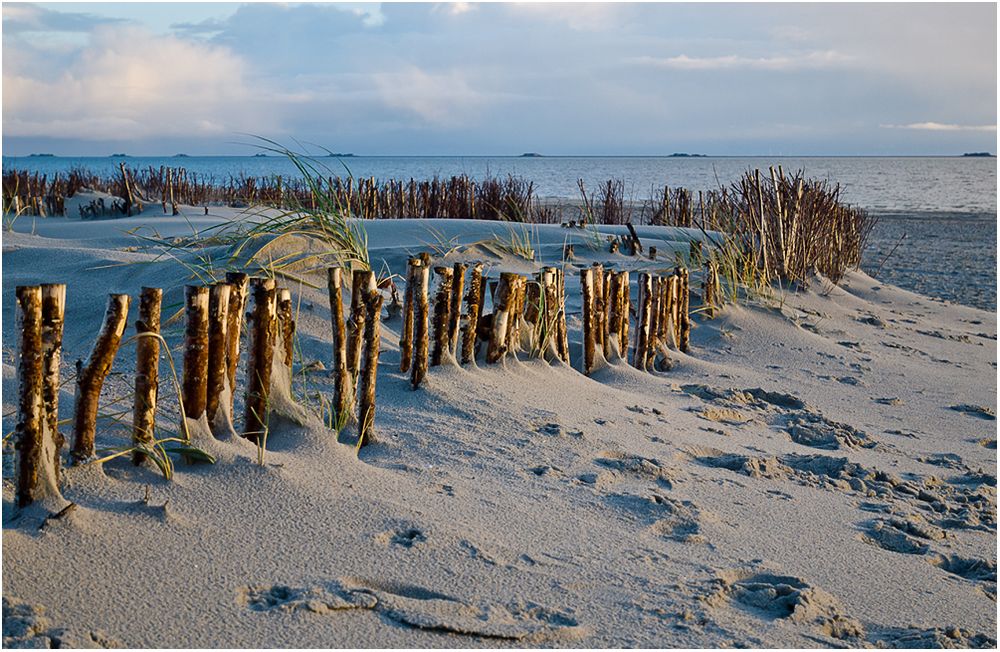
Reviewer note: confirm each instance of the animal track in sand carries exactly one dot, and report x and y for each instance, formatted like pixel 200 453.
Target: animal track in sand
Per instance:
pixel 25 625
pixel 638 466
pixel 406 537
pixel 677 520
pixel 975 411
pixel 417 607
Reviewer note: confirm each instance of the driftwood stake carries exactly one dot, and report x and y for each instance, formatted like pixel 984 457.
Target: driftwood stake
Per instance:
pixel 31 426
pixel 263 323
pixel 286 324
pixel 362 280
pixel 600 310
pixel 420 318
pixel 643 321
pixel 342 387
pixel 455 310
pixel 239 283
pixel 442 310
pixel 147 369
pixel 406 332
pixel 684 309
pixel 561 330
pixel 195 375
pixel 366 399
pixel 53 319
pixel 625 302
pixel 501 318
pixel 589 330
pixel 90 377
pixel 474 310
pixel 218 340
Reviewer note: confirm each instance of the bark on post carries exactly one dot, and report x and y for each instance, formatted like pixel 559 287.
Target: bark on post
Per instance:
pixel 263 323
pixel 195 374
pixel 501 318
pixel 218 339
pixel 643 321
pixel 684 309
pixel 406 332
pixel 614 298
pixel 474 310
pixel 455 311
pixel 653 346
pixel 420 318
pixel 286 324
pixel 366 400
pixel 342 387
pixel 549 331
pixel 626 305
pixel 561 329
pixel 90 377
pixel 442 312
pixel 31 418
pixel 53 319
pixel 147 369
pixel 589 339
pixel 515 311
pixel 362 280
pixel 600 310
pixel 239 283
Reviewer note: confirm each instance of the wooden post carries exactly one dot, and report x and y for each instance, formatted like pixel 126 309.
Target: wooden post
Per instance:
pixel 286 325
pixel 147 369
pixel 362 280
pixel 673 308
pixel 263 323
pixel 653 346
pixel 239 283
pixel 685 313
pixel 643 321
pixel 614 298
pixel 406 332
pixel 342 387
pixel 218 340
pixel 366 399
pixel 626 305
pixel 501 317
pixel 600 310
pixel 589 336
pixel 90 377
pixel 30 428
pixel 515 313
pixel 474 310
pixel 53 319
pixel 548 340
pixel 442 310
pixel 420 318
pixel 455 311
pixel 195 373
pixel 170 183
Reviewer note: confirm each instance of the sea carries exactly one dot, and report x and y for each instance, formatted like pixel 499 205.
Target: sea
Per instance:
pixel 937 216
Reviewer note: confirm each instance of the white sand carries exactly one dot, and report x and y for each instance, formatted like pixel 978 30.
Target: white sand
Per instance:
pixel 844 503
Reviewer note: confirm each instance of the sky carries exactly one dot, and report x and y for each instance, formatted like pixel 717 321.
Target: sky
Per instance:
pixel 497 79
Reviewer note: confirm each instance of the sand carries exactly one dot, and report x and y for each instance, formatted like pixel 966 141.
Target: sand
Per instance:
pixel 819 471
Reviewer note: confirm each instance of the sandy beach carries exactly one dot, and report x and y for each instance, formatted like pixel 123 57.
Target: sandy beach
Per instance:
pixel 818 471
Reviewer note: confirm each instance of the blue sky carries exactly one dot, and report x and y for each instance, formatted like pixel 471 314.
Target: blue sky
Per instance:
pixel 467 79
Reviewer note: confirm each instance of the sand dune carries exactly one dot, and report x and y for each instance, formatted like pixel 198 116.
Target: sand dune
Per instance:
pixel 819 471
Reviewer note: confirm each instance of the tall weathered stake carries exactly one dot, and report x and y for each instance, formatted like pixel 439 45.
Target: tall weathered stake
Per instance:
pixel 31 428
pixel 589 338
pixel 343 388
pixel 263 324
pixel 366 398
pixel 147 369
pixel 218 350
pixel 474 309
pixel 406 332
pixel 53 319
pixel 194 382
pixel 442 311
pixel 239 283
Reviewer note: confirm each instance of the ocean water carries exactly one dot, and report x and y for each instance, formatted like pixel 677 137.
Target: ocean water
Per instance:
pixel 945 207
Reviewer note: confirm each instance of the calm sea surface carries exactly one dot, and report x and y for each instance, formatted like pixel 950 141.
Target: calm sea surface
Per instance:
pixel 945 207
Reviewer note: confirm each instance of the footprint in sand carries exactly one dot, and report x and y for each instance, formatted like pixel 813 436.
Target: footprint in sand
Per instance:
pixel 406 537
pixel 975 411
pixel 25 625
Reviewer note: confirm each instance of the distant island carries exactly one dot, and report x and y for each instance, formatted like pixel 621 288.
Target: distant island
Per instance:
pixel 979 155
pixel 531 155
pixel 339 155
pixel 685 155
pixel 260 155
pixel 40 155
pixel 180 156
pixel 118 155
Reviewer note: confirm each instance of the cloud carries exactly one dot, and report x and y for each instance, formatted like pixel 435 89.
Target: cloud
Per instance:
pixel 940 126
pixel 437 98
pixel 824 59
pixel 26 17
pixel 128 83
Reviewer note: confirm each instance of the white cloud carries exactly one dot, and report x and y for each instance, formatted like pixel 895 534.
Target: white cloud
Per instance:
pixel 940 126
pixel 127 83
pixel 439 98
pixel 824 59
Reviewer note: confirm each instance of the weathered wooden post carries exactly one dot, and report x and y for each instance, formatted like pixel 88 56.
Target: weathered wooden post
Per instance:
pixel 497 347
pixel 515 313
pixel 442 314
pixel 589 335
pixel 366 399
pixel 239 283
pixel 561 329
pixel 600 310
pixel 643 321
pixel 361 281
pixel 263 323
pixel 147 369
pixel 195 371
pixel 710 288
pixel 684 309
pixel 654 322
pixel 35 478
pixel 286 326
pixel 548 339
pixel 218 350
pixel 90 377
pixel 406 332
pixel 342 386
pixel 455 310
pixel 420 318
pixel 474 310
pixel 53 319
pixel 626 306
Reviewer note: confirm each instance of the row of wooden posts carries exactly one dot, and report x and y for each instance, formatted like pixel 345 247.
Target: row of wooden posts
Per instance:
pixel 528 315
